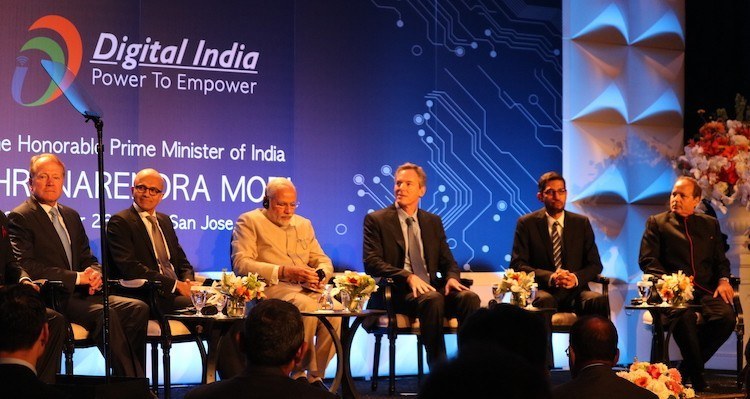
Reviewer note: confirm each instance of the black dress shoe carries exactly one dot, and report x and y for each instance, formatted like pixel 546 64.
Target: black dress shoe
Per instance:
pixel 319 384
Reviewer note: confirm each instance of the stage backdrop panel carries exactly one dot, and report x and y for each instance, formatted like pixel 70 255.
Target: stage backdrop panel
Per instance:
pixel 333 94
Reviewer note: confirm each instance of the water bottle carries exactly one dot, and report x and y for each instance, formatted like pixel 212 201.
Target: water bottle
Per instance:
pixel 325 302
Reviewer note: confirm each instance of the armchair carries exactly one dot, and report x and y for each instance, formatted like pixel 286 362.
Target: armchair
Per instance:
pixel 393 324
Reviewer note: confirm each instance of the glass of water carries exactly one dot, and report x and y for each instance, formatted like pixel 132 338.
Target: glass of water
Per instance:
pixel 221 302
pixel 199 298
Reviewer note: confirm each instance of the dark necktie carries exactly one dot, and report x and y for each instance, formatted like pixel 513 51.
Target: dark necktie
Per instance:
pixel 63 236
pixel 415 255
pixel 161 251
pixel 556 245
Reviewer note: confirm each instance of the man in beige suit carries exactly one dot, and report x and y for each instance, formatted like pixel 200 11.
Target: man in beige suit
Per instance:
pixel 281 247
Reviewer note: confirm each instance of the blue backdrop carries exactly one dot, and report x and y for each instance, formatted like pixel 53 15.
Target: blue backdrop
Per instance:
pixel 333 94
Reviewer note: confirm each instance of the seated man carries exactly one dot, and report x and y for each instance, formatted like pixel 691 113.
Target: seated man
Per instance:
pixel 273 341
pixel 281 247
pixel 409 245
pixel 143 244
pixel 560 248
pixel 592 354
pixel 10 273
pixel 24 335
pixel 682 239
pixel 50 242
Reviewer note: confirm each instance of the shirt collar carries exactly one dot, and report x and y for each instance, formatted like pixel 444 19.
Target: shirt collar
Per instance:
pixel 551 220
pixel 141 212
pixel 20 362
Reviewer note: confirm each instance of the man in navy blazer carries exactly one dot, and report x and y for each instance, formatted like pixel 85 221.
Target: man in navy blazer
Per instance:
pixel 563 286
pixel 429 296
pixel 133 249
pixel 58 249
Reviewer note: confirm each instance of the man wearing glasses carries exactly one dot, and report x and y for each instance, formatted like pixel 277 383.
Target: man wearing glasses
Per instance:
pixel 560 248
pixel 281 247
pixel 143 244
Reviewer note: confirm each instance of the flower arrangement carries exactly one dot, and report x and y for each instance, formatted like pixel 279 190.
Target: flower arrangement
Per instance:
pixel 356 284
pixel 666 383
pixel 719 157
pixel 675 288
pixel 236 287
pixel 519 284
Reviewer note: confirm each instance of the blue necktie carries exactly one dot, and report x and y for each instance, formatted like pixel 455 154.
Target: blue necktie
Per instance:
pixel 415 255
pixel 63 236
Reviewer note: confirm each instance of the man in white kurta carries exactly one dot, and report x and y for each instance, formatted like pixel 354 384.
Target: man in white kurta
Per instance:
pixel 281 247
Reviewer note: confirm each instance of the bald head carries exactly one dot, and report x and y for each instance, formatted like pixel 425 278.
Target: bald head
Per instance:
pixel 594 339
pixel 148 189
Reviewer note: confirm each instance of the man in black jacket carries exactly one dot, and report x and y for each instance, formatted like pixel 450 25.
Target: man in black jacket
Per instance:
pixel 683 240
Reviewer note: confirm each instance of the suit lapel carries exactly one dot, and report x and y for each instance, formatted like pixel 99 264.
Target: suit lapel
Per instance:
pixel 142 233
pixel 50 229
pixel 394 224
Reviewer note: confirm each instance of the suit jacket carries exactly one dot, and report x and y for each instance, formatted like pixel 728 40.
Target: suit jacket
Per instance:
pixel 384 247
pixel 19 381
pixel 259 383
pixel 10 272
pixel 131 251
pixel 665 248
pixel 599 381
pixel 38 247
pixel 532 248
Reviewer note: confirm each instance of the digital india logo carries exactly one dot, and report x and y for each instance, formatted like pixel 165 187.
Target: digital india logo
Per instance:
pixel 52 49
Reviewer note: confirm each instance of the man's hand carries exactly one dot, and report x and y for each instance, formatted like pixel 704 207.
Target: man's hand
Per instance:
pixel 565 279
pixel 183 287
pixel 31 283
pixel 418 286
pixel 92 278
pixel 454 285
pixel 724 290
pixel 301 274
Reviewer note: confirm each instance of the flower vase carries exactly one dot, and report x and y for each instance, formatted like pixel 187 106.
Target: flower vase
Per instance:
pixel 357 303
pixel 518 299
pixel 236 307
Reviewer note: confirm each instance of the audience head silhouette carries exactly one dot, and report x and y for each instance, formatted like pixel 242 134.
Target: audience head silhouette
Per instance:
pixel 273 334
pixel 510 328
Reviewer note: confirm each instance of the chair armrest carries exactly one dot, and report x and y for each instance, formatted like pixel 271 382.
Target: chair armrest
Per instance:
pixel 52 292
pixel 141 288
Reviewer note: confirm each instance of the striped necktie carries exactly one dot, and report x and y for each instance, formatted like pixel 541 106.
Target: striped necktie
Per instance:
pixel 165 266
pixel 556 245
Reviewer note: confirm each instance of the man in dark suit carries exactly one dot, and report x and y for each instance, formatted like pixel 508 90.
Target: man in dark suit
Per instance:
pixel 50 243
pixel 24 335
pixel 10 273
pixel 683 240
pixel 592 354
pixel 143 244
pixel 273 341
pixel 559 247
pixel 408 245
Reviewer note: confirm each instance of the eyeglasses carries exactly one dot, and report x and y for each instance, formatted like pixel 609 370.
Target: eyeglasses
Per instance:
pixel 282 205
pixel 151 190
pixel 567 351
pixel 550 192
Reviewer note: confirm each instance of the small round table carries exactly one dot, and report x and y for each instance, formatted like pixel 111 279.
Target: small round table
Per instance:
pixel 343 345
pixel 660 345
pixel 216 328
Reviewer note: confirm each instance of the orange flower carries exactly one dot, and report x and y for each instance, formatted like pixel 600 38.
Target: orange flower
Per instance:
pixel 641 382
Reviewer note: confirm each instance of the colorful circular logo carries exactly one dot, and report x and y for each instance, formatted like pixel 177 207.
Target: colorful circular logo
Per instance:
pixel 53 50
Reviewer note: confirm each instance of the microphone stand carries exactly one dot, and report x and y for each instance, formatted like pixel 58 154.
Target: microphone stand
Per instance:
pixel 99 125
